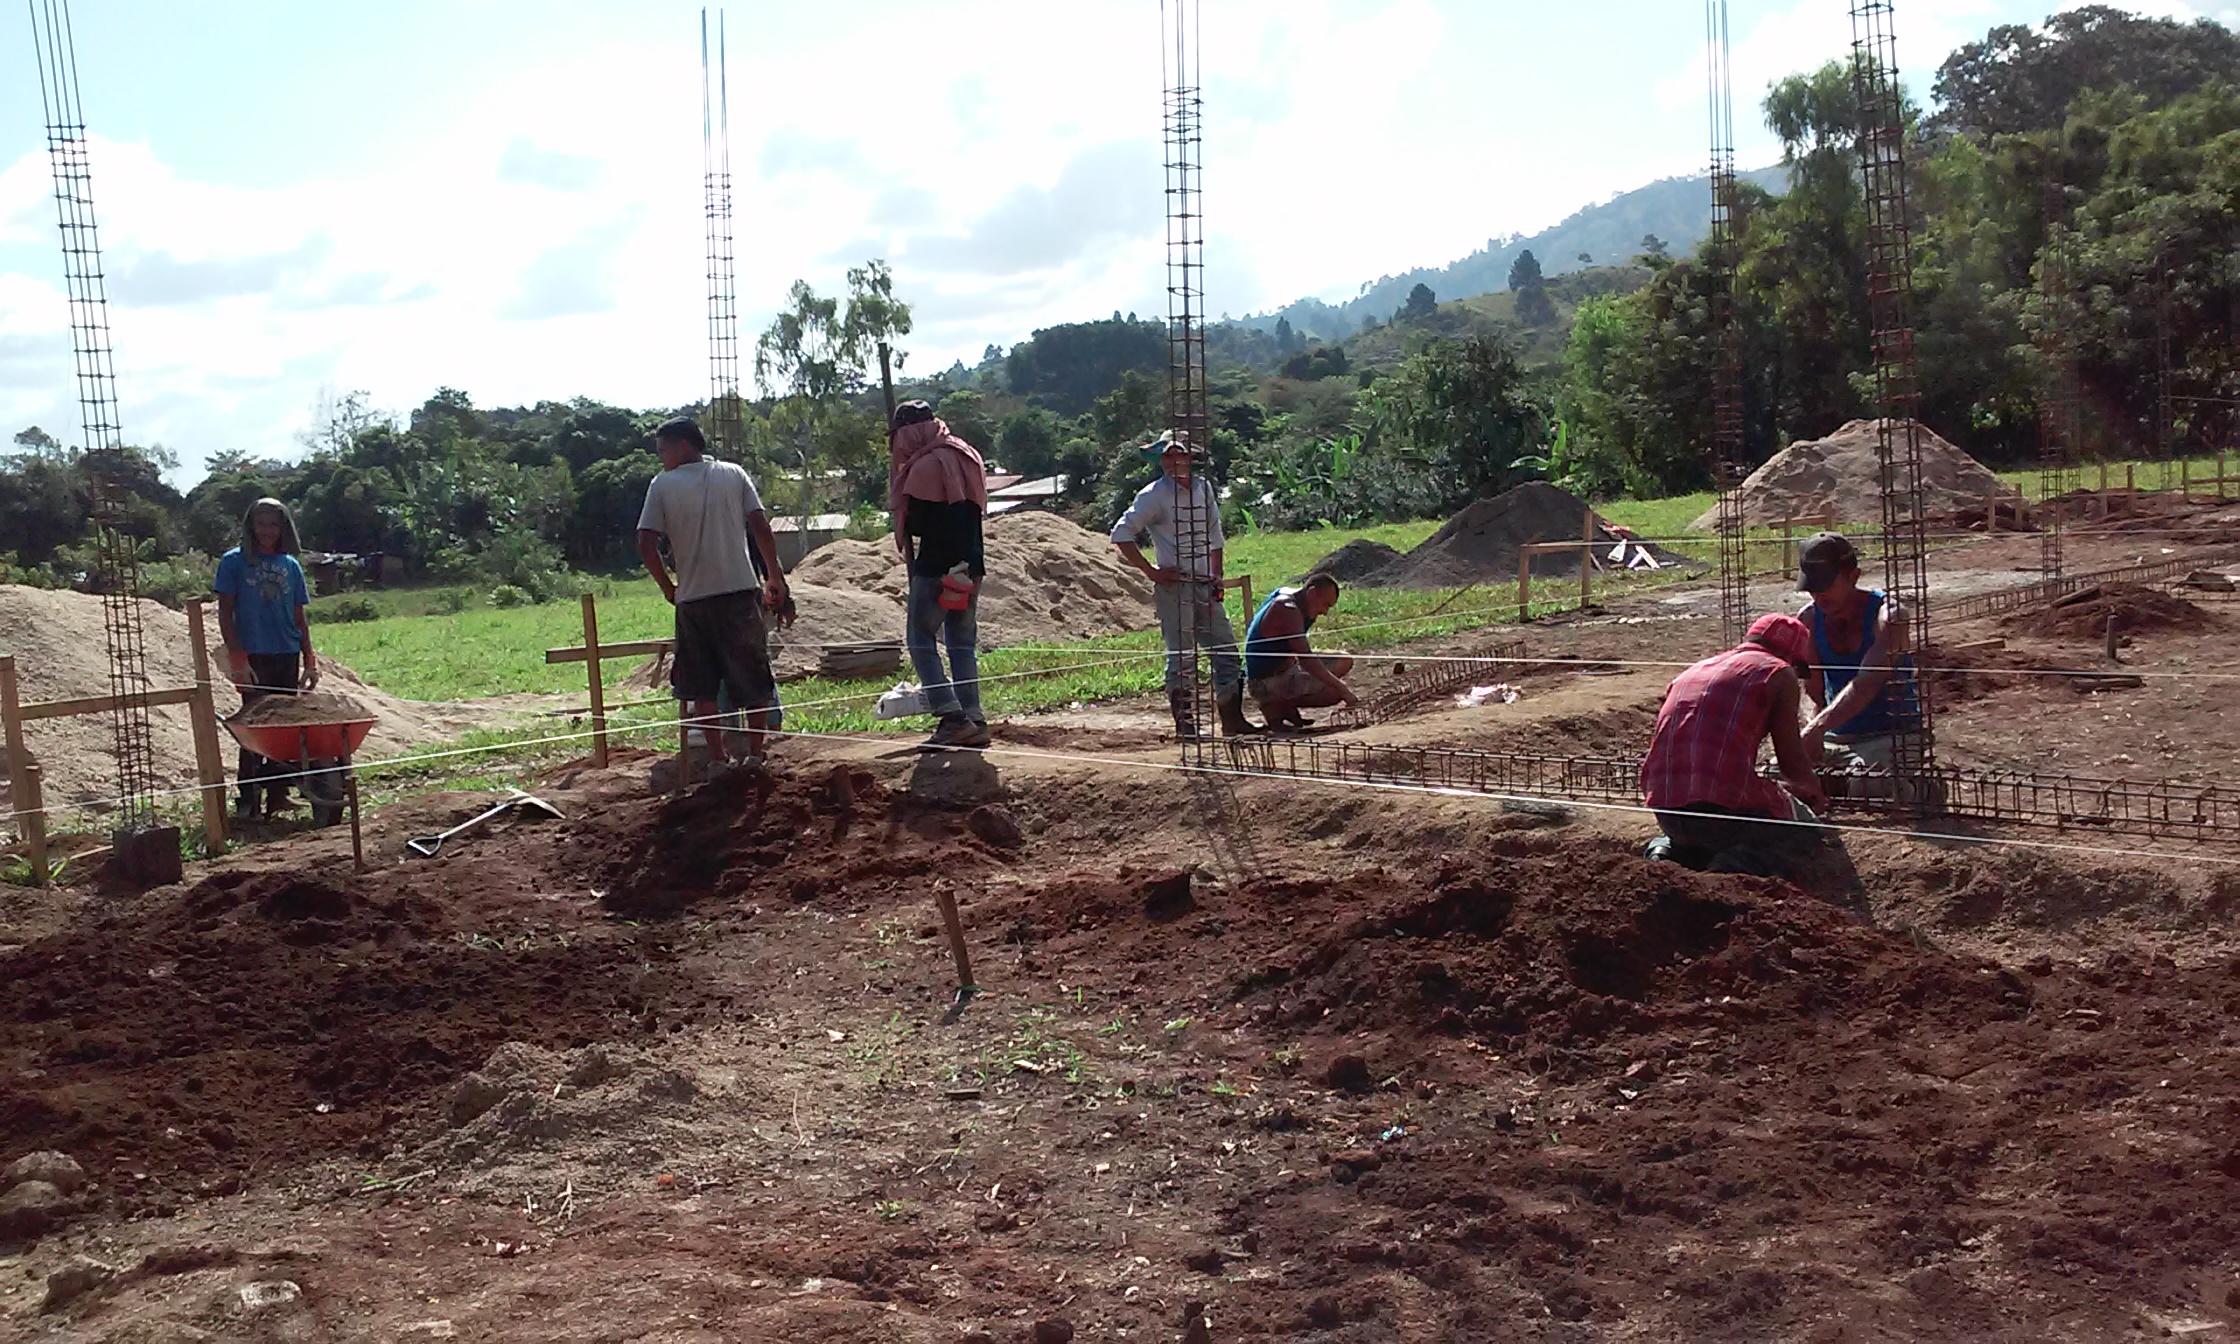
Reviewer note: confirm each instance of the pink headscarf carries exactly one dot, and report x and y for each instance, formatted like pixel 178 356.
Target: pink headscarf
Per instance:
pixel 926 461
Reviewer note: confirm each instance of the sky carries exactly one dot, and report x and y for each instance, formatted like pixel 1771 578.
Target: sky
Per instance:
pixel 299 201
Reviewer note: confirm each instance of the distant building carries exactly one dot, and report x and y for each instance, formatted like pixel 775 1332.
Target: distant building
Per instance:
pixel 823 528
pixel 1014 494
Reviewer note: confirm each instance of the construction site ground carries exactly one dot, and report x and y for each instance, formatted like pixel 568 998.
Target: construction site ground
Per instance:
pixel 1341 1064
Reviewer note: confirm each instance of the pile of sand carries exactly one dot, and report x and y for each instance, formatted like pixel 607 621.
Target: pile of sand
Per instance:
pixel 1480 544
pixel 2087 614
pixel 60 653
pixel 1841 473
pixel 1048 580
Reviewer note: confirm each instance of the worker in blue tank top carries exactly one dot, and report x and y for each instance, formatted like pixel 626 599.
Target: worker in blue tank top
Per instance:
pixel 1863 678
pixel 1282 673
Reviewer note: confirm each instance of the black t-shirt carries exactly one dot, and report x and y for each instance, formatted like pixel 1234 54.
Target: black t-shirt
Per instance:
pixel 947 534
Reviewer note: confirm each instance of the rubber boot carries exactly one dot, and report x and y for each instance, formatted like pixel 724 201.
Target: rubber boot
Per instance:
pixel 1185 718
pixel 1229 705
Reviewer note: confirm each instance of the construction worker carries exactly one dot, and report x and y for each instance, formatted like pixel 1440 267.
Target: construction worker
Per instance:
pixel 1182 516
pixel 1282 673
pixel 710 513
pixel 937 492
pixel 262 599
pixel 1862 678
pixel 1701 774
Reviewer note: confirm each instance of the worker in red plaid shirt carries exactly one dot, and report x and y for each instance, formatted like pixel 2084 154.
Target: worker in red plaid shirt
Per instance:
pixel 1701 774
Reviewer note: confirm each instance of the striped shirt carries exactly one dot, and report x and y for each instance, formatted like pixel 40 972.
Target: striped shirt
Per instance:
pixel 1705 750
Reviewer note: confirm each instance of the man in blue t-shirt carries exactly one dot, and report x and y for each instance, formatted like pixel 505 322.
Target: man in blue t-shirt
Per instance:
pixel 261 600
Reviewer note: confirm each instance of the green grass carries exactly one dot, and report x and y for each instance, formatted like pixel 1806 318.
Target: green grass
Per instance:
pixel 1274 558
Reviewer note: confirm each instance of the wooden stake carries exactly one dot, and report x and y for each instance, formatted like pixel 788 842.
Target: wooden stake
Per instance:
pixel 35 822
pixel 30 822
pixel 1524 584
pixel 946 898
pixel 202 716
pixel 1586 560
pixel 597 682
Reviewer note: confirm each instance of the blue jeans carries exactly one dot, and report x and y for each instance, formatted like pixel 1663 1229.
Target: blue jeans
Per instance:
pixel 956 691
pixel 1209 626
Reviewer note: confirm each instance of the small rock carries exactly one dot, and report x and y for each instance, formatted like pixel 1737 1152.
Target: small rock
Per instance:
pixel 997 826
pixel 30 1209
pixel 1353 1161
pixel 1196 1329
pixel 2231 1164
pixel 269 1293
pixel 1349 1073
pixel 1052 1330
pixel 1168 896
pixel 59 1170
pixel 1205 1260
pixel 81 1276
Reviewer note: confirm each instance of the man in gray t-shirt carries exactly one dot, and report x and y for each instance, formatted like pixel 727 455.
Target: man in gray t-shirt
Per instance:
pixel 711 513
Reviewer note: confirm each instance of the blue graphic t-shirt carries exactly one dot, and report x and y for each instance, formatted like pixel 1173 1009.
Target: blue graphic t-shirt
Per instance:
pixel 266 590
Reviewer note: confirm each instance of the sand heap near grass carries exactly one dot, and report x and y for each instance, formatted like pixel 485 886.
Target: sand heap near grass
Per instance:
pixel 1048 580
pixel 1481 543
pixel 1842 473
pixel 60 653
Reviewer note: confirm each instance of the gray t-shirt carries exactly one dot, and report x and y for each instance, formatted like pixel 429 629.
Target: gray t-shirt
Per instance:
pixel 702 508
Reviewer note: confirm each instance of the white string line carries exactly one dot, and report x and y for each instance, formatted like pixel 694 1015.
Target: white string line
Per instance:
pixel 1592 660
pixel 1432 790
pixel 1451 792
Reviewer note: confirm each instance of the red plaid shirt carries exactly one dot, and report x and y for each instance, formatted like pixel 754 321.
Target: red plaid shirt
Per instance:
pixel 1705 752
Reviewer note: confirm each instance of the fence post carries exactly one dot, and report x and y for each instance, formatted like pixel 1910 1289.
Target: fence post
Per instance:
pixel 202 717
pixel 23 776
pixel 1586 560
pixel 598 682
pixel 1524 585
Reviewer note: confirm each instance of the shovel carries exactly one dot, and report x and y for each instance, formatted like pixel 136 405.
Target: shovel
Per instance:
pixel 427 845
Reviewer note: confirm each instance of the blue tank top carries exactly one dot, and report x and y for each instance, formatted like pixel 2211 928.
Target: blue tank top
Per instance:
pixel 1897 708
pixel 1264 656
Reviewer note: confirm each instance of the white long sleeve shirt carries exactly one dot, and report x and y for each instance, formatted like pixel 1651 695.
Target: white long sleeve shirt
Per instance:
pixel 1153 512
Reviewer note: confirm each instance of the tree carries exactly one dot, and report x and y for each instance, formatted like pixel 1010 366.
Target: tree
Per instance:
pixel 1421 304
pixel 2020 79
pixel 1525 281
pixel 1067 367
pixel 875 318
pixel 1463 411
pixel 1653 246
pixel 1586 258
pixel 1286 339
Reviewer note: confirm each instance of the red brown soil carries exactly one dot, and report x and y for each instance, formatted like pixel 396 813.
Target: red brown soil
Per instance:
pixel 2129 606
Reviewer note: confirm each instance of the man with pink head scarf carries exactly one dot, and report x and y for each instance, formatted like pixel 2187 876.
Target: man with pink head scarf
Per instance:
pixel 937 490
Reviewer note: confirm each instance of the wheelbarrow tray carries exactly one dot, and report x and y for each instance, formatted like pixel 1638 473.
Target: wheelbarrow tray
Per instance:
pixel 294 741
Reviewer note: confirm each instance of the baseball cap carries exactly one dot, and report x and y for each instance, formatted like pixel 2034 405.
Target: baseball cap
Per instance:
pixel 1821 557
pixel 1172 440
pixel 1785 637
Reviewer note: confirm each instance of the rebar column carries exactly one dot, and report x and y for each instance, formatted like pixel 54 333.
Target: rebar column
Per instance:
pixel 726 412
pixel 1723 256
pixel 1188 416
pixel 116 569
pixel 2057 394
pixel 1882 161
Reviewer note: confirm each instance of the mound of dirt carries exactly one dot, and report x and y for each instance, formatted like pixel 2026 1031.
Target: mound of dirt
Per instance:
pixel 1048 579
pixel 1842 474
pixel 60 654
pixel 1480 544
pixel 2130 606
pixel 1355 561
pixel 267 1017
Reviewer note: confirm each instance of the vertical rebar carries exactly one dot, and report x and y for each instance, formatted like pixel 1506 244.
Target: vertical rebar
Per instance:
pixel 116 570
pixel 726 412
pixel 1882 160
pixel 2057 395
pixel 1723 256
pixel 1188 415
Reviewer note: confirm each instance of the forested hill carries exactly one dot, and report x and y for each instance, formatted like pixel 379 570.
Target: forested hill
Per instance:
pixel 1675 211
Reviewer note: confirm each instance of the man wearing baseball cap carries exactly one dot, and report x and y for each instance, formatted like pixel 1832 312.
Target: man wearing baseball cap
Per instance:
pixel 1862 676
pixel 1701 774
pixel 1181 514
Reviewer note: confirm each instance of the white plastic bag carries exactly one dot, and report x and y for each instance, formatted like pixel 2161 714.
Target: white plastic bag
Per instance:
pixel 905 700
